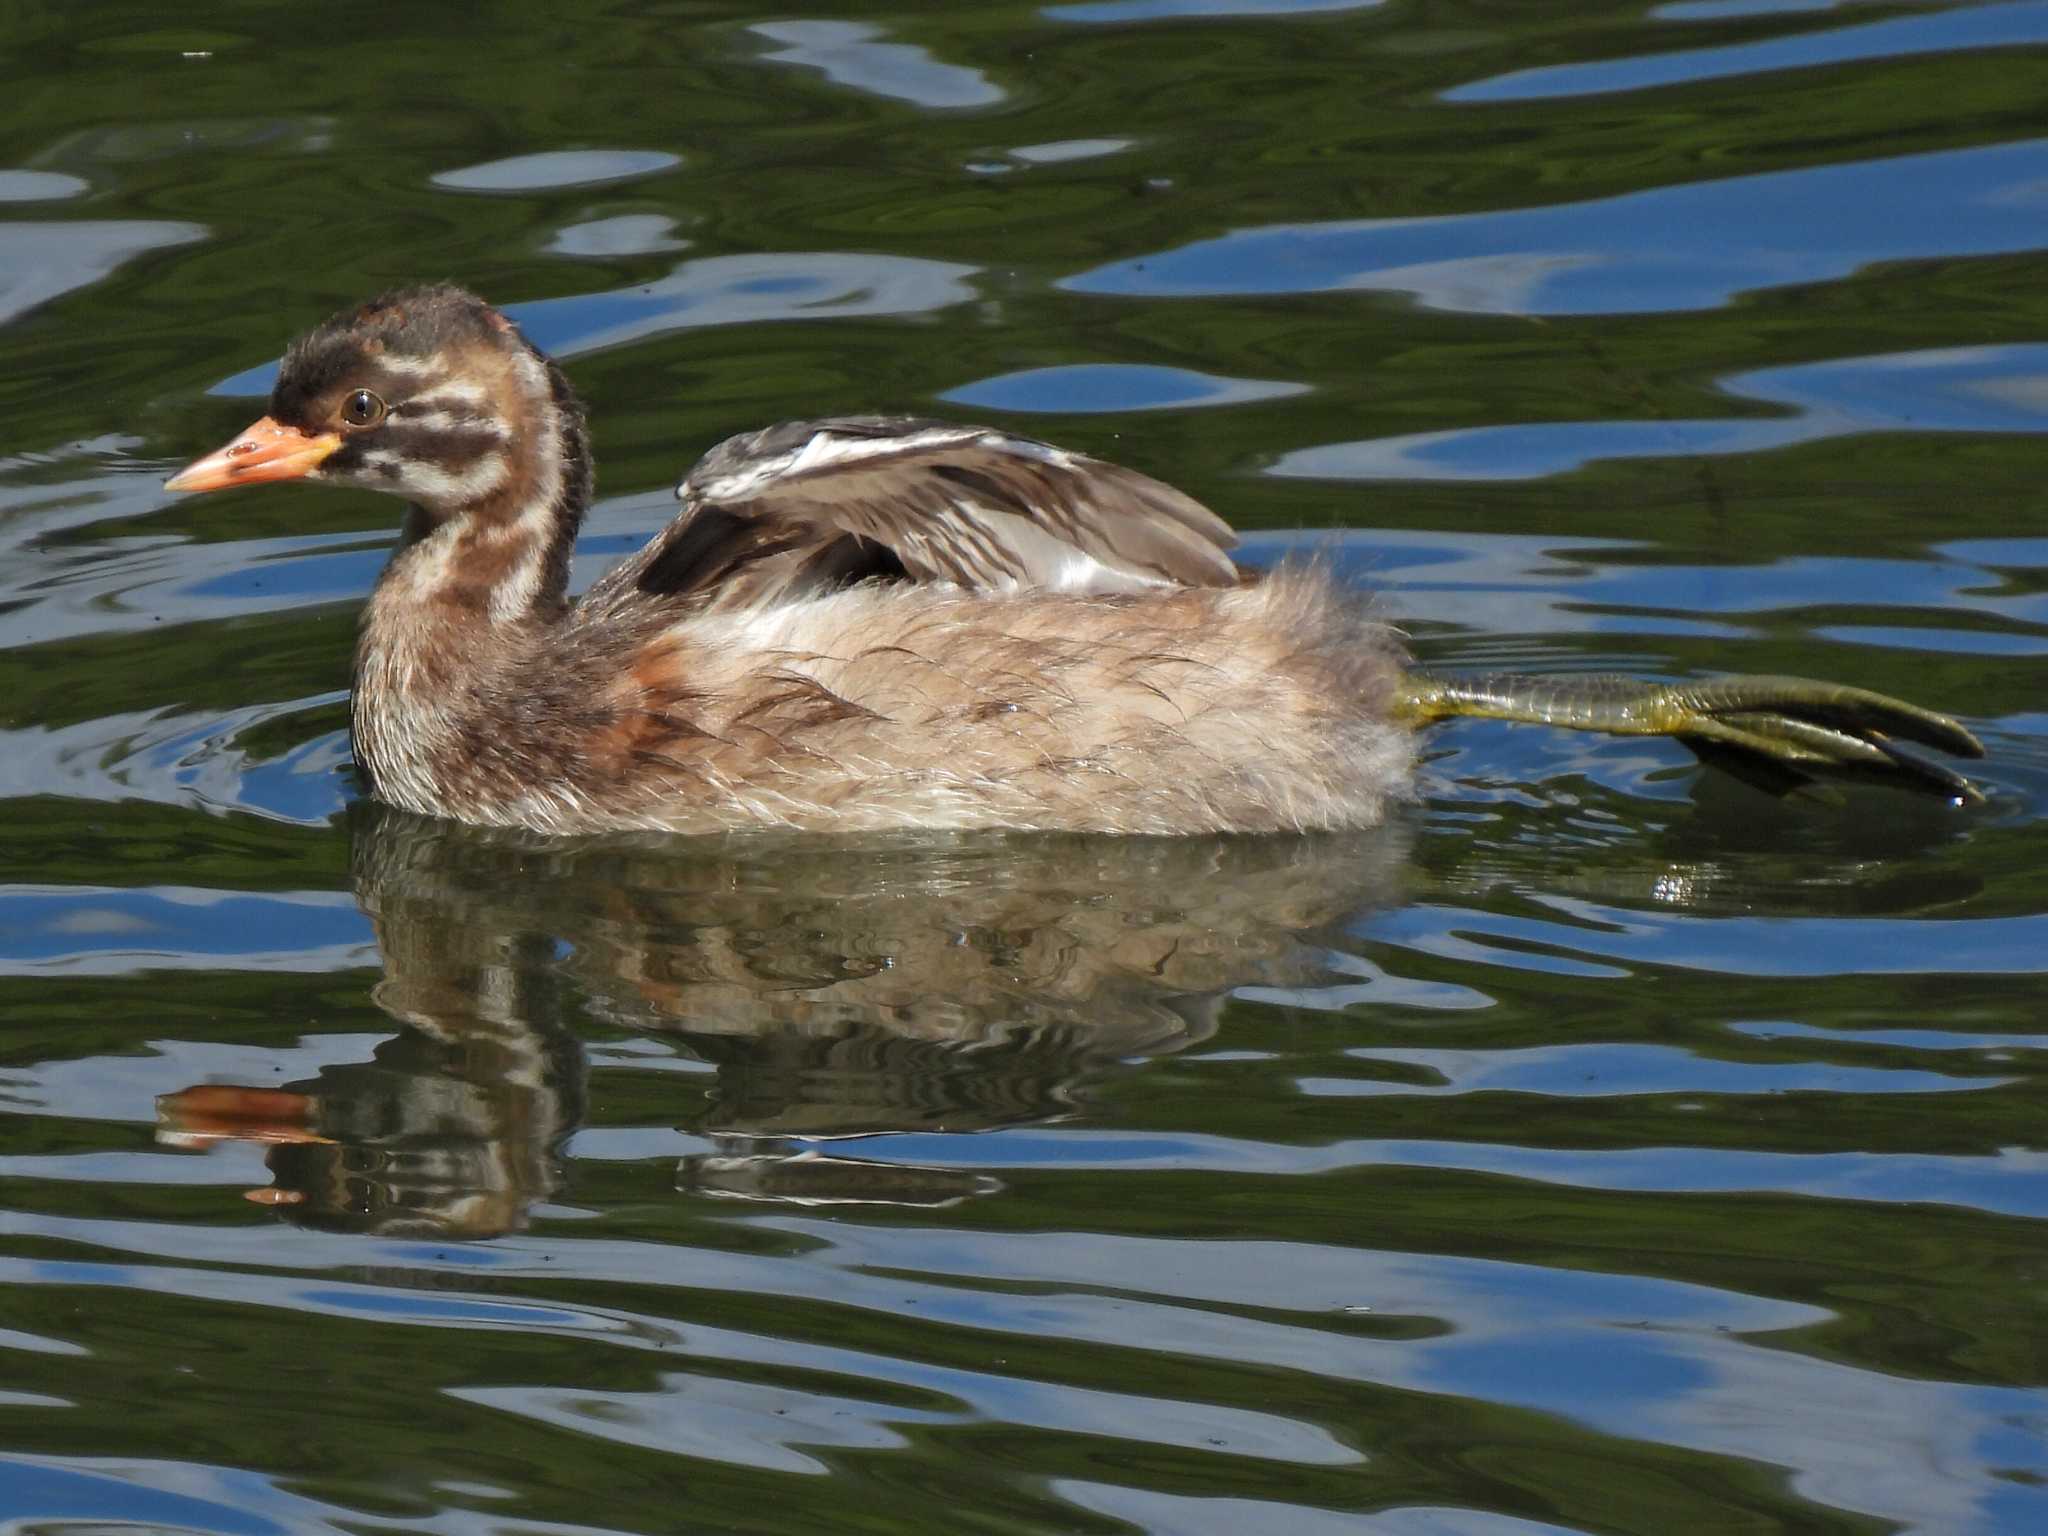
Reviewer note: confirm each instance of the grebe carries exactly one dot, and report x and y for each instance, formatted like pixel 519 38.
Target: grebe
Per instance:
pixel 877 622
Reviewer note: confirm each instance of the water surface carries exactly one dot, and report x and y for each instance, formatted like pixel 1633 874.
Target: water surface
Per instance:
pixel 1604 1146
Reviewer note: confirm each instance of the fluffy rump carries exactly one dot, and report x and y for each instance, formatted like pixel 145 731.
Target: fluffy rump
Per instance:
pixel 1258 708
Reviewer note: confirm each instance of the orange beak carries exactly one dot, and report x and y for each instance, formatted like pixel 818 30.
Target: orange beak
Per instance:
pixel 268 450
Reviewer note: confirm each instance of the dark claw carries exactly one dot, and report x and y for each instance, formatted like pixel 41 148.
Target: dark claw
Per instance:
pixel 1854 710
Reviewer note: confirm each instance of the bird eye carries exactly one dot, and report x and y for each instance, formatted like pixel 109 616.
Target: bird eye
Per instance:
pixel 362 409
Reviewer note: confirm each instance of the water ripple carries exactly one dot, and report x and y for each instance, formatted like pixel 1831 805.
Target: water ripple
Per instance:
pixel 1615 255
pixel 556 169
pixel 1108 387
pixel 1610 1070
pixel 1601 1146
pixel 39 261
pixel 2009 1182
pixel 1961 28
pixel 851 53
pixel 1728 946
pixel 1187 10
pixel 117 930
pixel 1950 389
pixel 720 290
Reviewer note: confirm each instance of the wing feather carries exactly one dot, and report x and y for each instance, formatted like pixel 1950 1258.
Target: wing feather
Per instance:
pixel 809 506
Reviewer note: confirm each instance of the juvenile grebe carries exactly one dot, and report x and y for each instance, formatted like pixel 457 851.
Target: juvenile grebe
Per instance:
pixel 874 622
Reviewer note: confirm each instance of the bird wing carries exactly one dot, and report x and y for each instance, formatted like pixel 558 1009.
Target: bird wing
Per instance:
pixel 810 506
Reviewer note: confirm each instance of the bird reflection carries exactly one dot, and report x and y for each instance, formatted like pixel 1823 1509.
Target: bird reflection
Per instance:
pixel 835 988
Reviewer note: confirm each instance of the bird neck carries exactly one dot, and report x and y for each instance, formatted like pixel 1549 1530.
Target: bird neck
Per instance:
pixel 472 589
pixel 499 560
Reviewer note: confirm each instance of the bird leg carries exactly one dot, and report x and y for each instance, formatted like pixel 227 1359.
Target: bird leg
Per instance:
pixel 1794 724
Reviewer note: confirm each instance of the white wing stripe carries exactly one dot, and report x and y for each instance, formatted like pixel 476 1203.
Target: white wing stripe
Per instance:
pixel 829 450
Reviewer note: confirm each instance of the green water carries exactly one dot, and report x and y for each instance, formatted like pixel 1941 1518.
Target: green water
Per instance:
pixel 1602 1147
